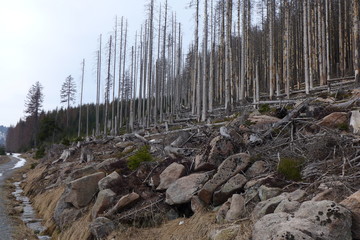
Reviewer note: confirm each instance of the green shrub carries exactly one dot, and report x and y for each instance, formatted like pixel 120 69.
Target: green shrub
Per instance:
pixel 343 127
pixel 290 168
pixel 40 152
pixel 65 141
pixel 33 165
pixel 77 139
pixel 264 108
pixel 2 150
pixel 141 155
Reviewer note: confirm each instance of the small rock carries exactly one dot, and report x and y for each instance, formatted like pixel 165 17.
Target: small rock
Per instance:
pixel 109 181
pixel 172 214
pixel 266 207
pixel 266 193
pixel 221 213
pixel 86 155
pixel 172 173
pixel 229 168
pixel 256 169
pixel 355 121
pixel 123 203
pixel 237 208
pixel 197 205
pixel 104 200
pixel 128 149
pixel 287 206
pixel 111 164
pixel 19 209
pixel 101 227
pixel 235 183
pixel 123 145
pixel 220 148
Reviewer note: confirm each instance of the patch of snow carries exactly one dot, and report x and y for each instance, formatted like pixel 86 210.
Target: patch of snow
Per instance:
pixel 21 161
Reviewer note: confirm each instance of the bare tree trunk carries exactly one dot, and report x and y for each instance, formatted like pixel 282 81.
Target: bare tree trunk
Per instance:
pixel 81 96
pixel 228 63
pixel 272 76
pixel 328 68
pixel 119 97
pixel 305 43
pixel 286 51
pixel 113 85
pixel 132 81
pixel 321 46
pixel 123 100
pixel 98 81
pixel 211 76
pixel 205 70
pixel 196 81
pixel 243 52
pixel 163 74
pixel 107 89
pixel 150 69
pixel 356 6
pixel 141 60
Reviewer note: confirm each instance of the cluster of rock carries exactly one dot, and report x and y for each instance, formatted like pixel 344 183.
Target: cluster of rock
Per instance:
pixel 225 176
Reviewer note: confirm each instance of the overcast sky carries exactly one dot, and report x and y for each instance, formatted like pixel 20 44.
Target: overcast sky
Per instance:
pixel 46 40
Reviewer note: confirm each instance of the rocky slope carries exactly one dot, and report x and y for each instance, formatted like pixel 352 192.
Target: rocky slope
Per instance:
pixel 291 172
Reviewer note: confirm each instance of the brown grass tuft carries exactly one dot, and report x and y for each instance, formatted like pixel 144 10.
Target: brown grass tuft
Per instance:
pixel 197 227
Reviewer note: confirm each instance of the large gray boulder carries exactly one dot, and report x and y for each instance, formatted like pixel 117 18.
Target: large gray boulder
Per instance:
pixel 172 173
pixel 82 190
pixel 110 181
pixel 104 200
pixel 182 190
pixel 314 220
pixel 101 227
pixel 229 168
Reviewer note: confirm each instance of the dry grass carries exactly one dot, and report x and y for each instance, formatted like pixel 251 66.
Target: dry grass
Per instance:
pixel 45 205
pixel 32 176
pixel 79 230
pixel 197 227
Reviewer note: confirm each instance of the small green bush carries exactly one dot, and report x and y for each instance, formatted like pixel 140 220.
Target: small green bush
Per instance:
pixel 33 165
pixel 77 139
pixel 141 155
pixel 343 127
pixel 2 150
pixel 264 108
pixel 65 141
pixel 40 153
pixel 290 168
